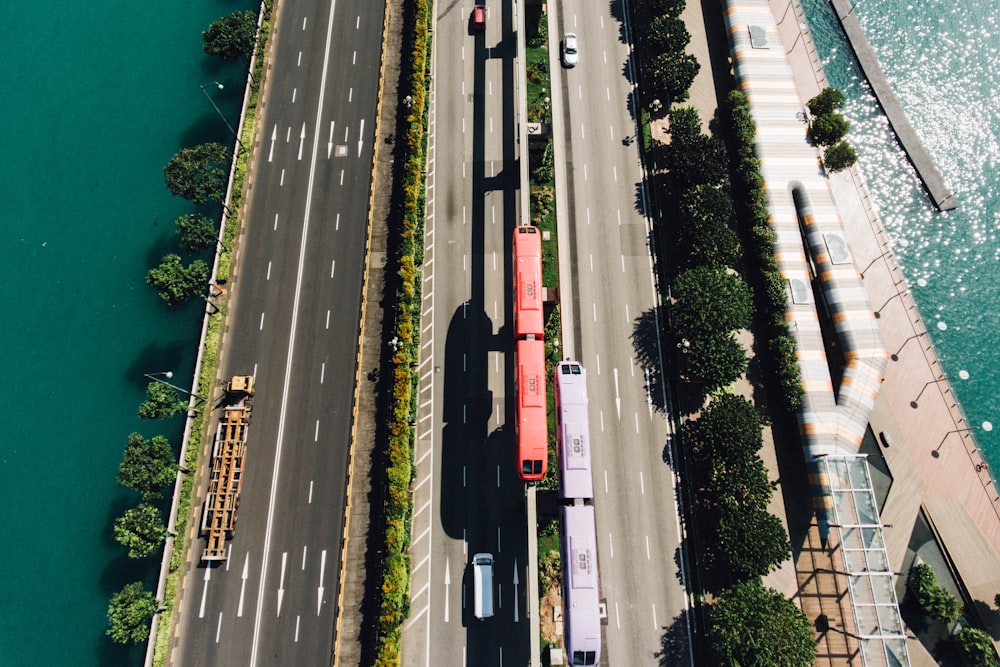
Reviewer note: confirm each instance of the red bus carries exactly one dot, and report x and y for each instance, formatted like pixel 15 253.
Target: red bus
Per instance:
pixel 532 427
pixel 528 314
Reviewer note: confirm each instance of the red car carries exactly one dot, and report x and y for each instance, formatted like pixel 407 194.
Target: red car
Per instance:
pixel 477 21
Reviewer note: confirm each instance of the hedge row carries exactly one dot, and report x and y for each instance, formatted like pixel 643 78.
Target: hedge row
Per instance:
pixel 749 186
pixel 394 606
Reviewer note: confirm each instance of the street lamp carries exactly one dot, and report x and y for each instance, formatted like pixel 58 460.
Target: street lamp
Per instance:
pixel 963 374
pixel 895 355
pixel 168 375
pixel 987 426
pixel 219 111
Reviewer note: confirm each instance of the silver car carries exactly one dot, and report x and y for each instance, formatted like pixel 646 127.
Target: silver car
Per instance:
pixel 570 55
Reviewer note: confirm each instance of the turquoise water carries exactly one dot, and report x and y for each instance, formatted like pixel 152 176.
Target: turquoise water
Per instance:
pixel 940 58
pixel 97 97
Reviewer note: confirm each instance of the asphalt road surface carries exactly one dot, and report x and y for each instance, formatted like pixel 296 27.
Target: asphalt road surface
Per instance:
pixel 610 325
pixel 467 496
pixel 293 323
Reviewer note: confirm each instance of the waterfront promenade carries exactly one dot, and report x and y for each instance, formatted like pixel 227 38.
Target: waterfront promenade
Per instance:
pixel 933 460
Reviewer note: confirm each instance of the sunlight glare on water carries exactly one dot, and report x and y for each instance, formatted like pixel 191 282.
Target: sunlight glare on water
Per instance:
pixel 940 59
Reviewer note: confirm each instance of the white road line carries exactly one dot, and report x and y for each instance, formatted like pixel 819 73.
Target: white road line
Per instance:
pixel 268 271
pixel 316 432
pixel 648 556
pixel 642 484
pixel 310 492
pixel 291 345
pixel 298 620
pixel 262 321
pixel 275 222
pixel 606 481
pixel 322 372
pixel 611 545
pixel 218 628
pixel 305 550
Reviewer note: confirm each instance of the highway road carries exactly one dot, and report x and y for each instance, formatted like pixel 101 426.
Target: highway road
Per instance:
pixel 467 495
pixel 608 306
pixel 293 323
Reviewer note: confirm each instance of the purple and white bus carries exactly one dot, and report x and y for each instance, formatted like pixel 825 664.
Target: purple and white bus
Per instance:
pixel 581 599
pixel 573 432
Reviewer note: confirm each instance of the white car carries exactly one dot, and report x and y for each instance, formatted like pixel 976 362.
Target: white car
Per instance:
pixel 570 55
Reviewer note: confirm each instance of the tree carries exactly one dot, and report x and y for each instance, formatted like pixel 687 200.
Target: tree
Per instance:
pixel 141 530
pixel 703 228
pixel 671 74
pixel 839 157
pixel 232 37
pixel 199 174
pixel 754 626
pixel 129 614
pixel 161 401
pixel 147 465
pixel 197 232
pixel 659 7
pixel 753 541
pixel 685 124
pixel 664 34
pixel 175 282
pixel 978 647
pixel 828 129
pixel 932 597
pixel 714 360
pixel 829 100
pixel 730 429
pixel 741 485
pixel 709 301
pixel 698 160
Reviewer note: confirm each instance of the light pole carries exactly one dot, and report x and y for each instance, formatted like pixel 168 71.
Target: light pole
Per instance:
pixel 987 426
pixel 219 111
pixel 168 375
pixel 895 355
pixel 963 374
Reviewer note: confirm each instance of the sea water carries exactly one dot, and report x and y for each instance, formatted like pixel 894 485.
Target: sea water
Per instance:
pixel 941 60
pixel 97 96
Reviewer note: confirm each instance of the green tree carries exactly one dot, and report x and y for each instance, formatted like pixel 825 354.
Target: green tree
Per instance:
pixel 710 301
pixel 232 37
pixel 704 234
pixel 161 401
pixel 664 34
pixel 175 282
pixel 754 626
pixel 697 160
pixel 129 613
pixel 828 101
pixel 671 74
pixel 685 123
pixel 197 232
pixel 932 597
pixel 714 360
pixel 147 465
pixel 753 541
pixel 839 157
pixel 730 430
pixel 141 530
pixel 199 174
pixel 828 129
pixel 659 7
pixel 978 647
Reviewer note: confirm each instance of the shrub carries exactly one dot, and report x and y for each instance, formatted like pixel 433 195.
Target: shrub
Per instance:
pixel 828 129
pixel 933 598
pixel 839 157
pixel 978 647
pixel 828 101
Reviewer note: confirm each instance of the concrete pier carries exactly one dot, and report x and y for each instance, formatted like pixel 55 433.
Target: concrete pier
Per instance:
pixel 912 146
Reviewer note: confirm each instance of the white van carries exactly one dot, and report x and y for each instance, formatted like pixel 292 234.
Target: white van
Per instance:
pixel 482 575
